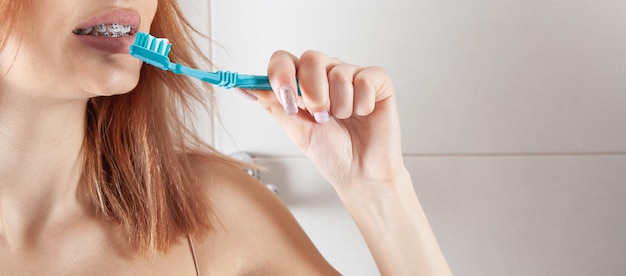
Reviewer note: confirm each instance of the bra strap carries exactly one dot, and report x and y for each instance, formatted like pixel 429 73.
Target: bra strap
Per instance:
pixel 193 254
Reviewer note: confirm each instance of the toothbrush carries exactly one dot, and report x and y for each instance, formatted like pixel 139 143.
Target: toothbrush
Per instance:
pixel 155 51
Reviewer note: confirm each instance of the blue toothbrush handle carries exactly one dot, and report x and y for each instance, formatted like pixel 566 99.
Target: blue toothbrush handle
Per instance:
pixel 225 79
pixel 257 82
pixel 253 82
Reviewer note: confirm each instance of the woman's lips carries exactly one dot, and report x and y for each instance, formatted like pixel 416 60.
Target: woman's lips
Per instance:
pixel 113 15
pixel 106 43
pixel 115 45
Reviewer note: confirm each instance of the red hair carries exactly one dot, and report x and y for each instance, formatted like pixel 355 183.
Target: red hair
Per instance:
pixel 137 145
pixel 9 11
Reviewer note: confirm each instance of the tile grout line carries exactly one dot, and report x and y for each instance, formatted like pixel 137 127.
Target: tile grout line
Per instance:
pixel 521 154
pixel 481 155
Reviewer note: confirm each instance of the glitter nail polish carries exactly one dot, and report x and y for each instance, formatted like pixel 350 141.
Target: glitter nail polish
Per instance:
pixel 288 100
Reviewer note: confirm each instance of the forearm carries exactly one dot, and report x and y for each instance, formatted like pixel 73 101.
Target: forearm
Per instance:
pixel 395 228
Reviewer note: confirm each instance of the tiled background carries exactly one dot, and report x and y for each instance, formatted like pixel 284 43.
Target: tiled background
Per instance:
pixel 512 113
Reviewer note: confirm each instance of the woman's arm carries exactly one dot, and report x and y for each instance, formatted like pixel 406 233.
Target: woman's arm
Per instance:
pixel 395 228
pixel 346 123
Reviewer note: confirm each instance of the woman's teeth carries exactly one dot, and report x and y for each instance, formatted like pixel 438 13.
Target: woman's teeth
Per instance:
pixel 110 30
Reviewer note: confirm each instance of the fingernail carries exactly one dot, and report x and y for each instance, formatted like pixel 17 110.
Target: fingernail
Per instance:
pixel 245 94
pixel 288 100
pixel 321 117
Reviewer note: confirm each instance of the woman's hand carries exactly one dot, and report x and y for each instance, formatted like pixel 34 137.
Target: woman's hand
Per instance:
pixel 346 123
pixel 346 120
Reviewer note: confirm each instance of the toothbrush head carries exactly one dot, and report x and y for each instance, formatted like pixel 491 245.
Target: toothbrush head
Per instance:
pixel 151 50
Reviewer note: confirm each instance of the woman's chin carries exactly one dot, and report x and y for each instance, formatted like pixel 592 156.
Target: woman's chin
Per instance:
pixel 112 75
pixel 114 84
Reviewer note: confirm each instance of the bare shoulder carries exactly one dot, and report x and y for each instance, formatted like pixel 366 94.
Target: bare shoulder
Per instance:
pixel 253 232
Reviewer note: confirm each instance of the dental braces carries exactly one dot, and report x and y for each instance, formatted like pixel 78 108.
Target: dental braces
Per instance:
pixel 109 30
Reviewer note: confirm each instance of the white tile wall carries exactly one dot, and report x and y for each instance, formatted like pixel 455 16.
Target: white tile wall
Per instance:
pixel 472 76
pixel 512 114
pixel 539 215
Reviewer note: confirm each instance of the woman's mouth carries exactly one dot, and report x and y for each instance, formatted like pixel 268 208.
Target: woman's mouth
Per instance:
pixel 111 30
pixel 108 30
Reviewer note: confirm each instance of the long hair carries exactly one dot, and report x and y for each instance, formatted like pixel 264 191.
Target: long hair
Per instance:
pixel 137 145
pixel 9 13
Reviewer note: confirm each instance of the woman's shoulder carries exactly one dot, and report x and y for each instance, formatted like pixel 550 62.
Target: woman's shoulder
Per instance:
pixel 253 230
pixel 216 173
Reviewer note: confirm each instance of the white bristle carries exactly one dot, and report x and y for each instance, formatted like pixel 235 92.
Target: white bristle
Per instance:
pixel 149 43
pixel 157 45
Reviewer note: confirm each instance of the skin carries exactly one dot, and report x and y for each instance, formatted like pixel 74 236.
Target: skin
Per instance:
pixel 47 227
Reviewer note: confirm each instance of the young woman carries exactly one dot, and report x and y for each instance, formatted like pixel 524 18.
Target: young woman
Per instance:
pixel 99 174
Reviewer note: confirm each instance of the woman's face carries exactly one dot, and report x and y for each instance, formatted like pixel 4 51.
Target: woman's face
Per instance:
pixel 75 48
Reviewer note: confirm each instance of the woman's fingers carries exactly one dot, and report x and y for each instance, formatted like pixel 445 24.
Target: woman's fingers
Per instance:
pixel 313 77
pixel 371 85
pixel 282 71
pixel 341 90
pixel 328 86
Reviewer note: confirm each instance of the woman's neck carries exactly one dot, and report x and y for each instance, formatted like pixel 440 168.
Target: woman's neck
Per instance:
pixel 40 163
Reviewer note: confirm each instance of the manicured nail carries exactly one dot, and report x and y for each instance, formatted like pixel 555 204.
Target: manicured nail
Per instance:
pixel 245 94
pixel 321 117
pixel 288 100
